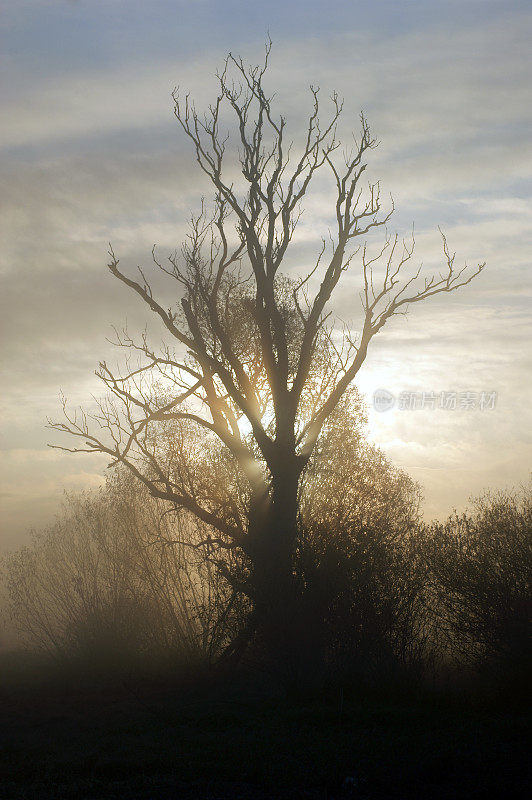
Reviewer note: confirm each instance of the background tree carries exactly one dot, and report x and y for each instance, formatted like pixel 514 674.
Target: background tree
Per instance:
pixel 126 580
pixel 360 557
pixel 256 362
pixel 481 577
pixel 116 582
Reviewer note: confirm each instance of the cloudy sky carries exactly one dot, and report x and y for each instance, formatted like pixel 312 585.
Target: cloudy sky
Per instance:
pixel 91 154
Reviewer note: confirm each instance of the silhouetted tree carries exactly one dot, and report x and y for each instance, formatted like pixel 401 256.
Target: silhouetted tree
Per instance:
pixel 359 556
pixel 256 361
pixel 481 566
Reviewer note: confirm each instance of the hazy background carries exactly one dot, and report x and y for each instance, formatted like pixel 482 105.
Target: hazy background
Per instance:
pixel 91 153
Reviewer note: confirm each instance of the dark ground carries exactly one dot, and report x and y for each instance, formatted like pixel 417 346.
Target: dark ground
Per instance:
pixel 64 738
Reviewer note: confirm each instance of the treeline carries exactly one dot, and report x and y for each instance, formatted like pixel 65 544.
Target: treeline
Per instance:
pixel 123 582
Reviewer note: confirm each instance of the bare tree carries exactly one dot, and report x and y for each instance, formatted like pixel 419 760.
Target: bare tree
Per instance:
pixel 255 362
pixel 111 581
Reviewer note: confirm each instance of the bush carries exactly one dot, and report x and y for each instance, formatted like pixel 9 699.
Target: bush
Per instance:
pixel 481 567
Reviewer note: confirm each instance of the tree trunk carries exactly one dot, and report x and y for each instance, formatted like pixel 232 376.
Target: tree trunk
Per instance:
pixel 274 535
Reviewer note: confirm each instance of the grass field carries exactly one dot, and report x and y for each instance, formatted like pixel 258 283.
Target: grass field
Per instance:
pixel 67 738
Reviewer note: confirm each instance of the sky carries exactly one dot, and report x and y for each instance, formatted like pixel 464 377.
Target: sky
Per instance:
pixel 91 154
